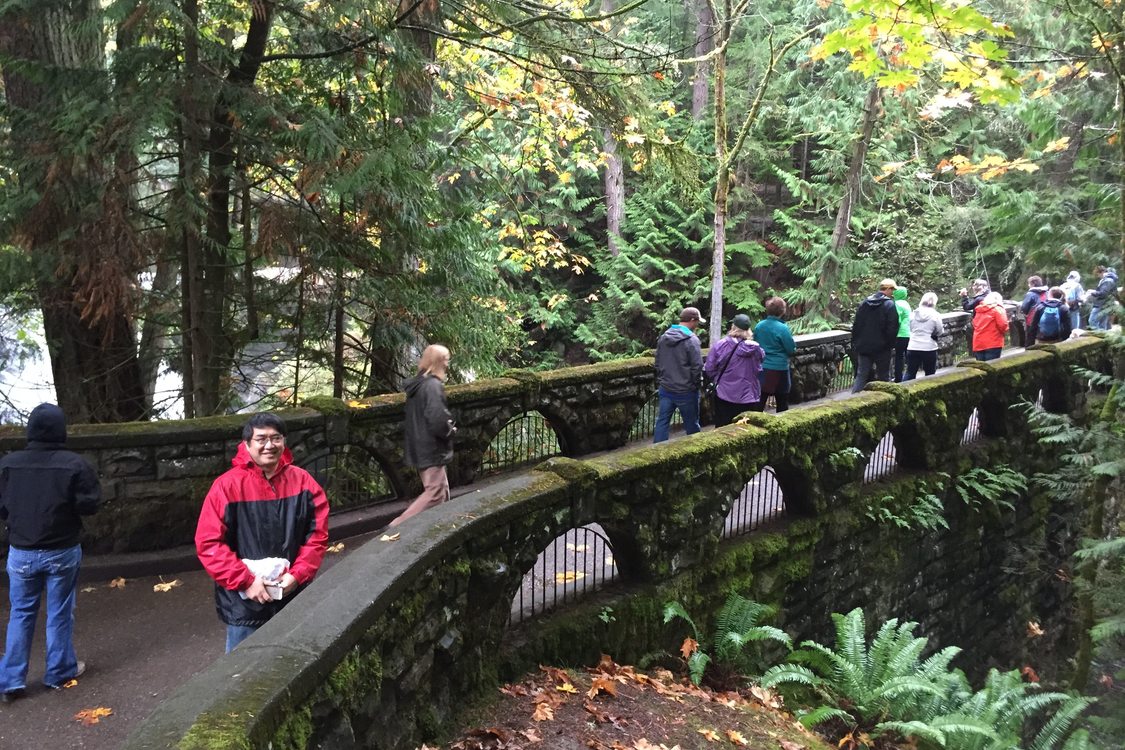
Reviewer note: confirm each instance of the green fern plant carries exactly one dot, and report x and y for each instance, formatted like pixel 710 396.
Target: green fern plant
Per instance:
pixel 866 685
pixel 992 487
pixel 722 659
pixel 887 689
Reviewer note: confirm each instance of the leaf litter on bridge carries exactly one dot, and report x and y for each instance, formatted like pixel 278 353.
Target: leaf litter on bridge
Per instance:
pixel 615 707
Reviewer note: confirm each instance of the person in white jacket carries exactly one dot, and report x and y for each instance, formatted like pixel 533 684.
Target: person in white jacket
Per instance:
pixel 925 328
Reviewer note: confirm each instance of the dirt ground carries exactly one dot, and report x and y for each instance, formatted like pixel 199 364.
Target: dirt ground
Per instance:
pixel 613 707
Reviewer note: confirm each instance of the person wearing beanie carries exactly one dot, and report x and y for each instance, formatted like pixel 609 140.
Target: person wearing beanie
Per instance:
pixel 44 492
pixel 733 367
pixel 903 338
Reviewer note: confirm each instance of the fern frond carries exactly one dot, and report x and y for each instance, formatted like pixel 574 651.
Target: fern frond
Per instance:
pixel 789 673
pixel 822 714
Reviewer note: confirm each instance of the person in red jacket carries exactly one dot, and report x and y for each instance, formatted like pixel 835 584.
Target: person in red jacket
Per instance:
pixel 263 530
pixel 990 323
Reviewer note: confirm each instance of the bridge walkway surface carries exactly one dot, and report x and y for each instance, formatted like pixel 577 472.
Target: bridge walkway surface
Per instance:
pixel 141 644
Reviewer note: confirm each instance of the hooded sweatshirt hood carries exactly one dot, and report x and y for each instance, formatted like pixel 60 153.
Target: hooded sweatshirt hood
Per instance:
pixel 900 293
pixel 926 313
pixel 876 300
pixel 1074 276
pixel 47 424
pixel 677 334
pixel 412 385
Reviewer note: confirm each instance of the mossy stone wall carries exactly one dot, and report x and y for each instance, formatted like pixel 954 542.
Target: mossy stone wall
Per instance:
pixel 385 647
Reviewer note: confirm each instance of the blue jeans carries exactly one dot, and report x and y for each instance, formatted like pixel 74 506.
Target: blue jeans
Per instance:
pixel 236 634
pixel 1099 318
pixel 987 355
pixel 687 403
pixel 30 571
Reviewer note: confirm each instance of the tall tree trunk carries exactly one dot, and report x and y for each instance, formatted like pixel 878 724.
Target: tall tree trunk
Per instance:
pixel 211 347
pixel 78 223
pixel 722 179
pixel 614 181
pixel 841 231
pixel 154 338
pixel 704 43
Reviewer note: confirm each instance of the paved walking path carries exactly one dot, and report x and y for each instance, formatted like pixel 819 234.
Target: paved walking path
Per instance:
pixel 139 645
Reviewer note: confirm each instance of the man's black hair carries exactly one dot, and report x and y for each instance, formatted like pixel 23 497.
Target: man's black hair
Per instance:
pixel 258 421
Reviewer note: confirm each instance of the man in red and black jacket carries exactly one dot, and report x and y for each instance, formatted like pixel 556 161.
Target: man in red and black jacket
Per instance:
pixel 263 507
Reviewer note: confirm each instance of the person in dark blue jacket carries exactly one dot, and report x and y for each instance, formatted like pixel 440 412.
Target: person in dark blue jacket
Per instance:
pixel 44 491
pixel 874 331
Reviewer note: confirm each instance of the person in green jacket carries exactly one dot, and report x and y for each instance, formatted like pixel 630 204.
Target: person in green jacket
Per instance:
pixel 774 336
pixel 903 339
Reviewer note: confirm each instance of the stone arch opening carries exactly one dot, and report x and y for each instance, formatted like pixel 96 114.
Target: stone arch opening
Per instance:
pixel 574 565
pixel 761 501
pixel 352 476
pixel 644 426
pixel 972 431
pixel 527 438
pixel 882 461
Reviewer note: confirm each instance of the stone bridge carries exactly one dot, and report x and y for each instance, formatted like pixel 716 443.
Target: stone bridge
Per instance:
pixel 382 650
pixel 154 474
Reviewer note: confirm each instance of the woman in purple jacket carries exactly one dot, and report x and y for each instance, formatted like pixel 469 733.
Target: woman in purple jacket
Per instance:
pixel 733 365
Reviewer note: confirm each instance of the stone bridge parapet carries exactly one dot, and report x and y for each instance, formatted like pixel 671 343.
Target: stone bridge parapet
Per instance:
pixel 384 649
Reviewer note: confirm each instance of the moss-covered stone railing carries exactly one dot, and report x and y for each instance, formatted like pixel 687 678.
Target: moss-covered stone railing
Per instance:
pixel 154 474
pixel 384 649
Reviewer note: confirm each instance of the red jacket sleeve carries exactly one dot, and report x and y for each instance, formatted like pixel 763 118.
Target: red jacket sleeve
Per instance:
pixel 311 554
pixel 218 559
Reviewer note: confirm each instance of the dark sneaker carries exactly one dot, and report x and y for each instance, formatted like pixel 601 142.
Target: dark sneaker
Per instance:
pixel 81 670
pixel 11 696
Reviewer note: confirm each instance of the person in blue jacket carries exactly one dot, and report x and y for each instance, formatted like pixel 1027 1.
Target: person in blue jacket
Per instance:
pixel 774 336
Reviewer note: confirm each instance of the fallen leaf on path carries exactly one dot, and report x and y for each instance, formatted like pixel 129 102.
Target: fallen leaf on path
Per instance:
pixel 163 587
pixel 117 583
pixel 737 738
pixel 70 683
pixel 601 684
pixel 389 537
pixel 337 547
pixel 1033 629
pixel 91 716
pixel 543 712
pixel 89 589
pixel 531 735
pixel 566 687
pixel 710 735
pixel 790 745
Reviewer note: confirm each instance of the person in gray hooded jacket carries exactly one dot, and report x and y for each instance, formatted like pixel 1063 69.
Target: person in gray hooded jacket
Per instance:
pixel 925 328
pixel 679 372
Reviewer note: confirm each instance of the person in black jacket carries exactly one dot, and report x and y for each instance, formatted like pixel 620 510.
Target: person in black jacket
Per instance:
pixel 874 331
pixel 44 491
pixel 429 430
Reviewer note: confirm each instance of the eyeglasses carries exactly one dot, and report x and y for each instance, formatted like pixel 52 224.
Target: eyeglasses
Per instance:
pixel 261 442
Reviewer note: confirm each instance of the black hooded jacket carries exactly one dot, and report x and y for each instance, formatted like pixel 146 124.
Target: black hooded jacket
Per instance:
pixel 429 426
pixel 876 325
pixel 45 489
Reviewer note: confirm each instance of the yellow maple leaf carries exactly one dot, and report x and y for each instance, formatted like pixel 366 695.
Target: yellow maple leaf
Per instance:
pixel 569 576
pixel 164 587
pixel 69 684
pixel 389 537
pixel 337 547
pixel 709 734
pixel 117 583
pixel 566 687
pixel 737 738
pixel 90 716
pixel 1059 144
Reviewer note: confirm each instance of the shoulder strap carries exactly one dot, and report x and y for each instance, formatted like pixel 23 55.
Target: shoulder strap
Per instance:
pixel 725 363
